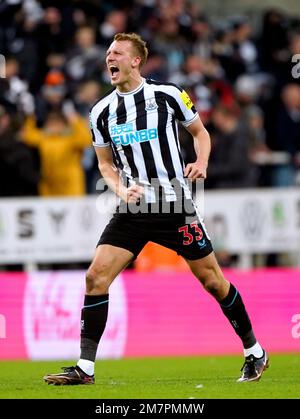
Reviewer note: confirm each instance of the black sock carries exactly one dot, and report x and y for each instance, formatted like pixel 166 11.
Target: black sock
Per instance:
pixel 234 309
pixel 93 322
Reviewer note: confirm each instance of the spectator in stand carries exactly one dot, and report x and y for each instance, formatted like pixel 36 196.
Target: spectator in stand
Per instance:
pixel 254 119
pixel 86 59
pixel 234 48
pixel 51 33
pixel 203 79
pixel 244 47
pixel 53 96
pixel 8 11
pixel 247 94
pixel 223 51
pixel 155 67
pixel 87 94
pixel 114 22
pixel 170 43
pixel 273 43
pixel 288 132
pixel 55 62
pixel 191 73
pixel 18 169
pixel 22 42
pixel 61 143
pixel 230 144
pixel 14 89
pixel 201 33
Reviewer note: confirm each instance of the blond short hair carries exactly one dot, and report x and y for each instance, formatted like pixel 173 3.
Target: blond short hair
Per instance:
pixel 138 43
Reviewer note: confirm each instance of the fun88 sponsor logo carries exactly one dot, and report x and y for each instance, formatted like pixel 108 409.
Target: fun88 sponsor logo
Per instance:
pixel 124 134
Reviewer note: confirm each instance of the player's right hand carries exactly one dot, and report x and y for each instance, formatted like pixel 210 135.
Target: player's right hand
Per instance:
pixel 134 193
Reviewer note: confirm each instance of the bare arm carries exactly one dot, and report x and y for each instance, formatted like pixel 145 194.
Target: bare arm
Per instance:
pixel 112 178
pixel 202 146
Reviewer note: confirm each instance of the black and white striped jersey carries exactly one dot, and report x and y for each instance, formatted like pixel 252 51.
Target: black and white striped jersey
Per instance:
pixel 141 128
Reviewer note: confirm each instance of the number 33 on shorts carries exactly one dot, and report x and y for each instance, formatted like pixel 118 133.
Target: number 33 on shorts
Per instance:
pixel 190 232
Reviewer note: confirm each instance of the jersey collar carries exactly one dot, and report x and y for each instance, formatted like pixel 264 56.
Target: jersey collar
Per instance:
pixel 132 91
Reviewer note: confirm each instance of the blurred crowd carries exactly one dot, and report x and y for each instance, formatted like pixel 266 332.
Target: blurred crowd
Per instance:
pixel 237 70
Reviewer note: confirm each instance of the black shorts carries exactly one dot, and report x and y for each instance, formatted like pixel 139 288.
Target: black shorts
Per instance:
pixel 181 232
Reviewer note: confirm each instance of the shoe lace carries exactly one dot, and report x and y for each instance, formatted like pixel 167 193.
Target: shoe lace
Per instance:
pixel 68 369
pixel 248 366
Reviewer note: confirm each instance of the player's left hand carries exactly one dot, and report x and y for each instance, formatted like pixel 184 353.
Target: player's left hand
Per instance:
pixel 196 170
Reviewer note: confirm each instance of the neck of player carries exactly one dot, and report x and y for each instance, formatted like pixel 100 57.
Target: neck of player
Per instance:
pixel 131 84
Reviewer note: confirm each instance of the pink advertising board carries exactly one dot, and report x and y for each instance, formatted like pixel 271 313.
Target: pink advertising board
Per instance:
pixel 150 314
pixel 12 341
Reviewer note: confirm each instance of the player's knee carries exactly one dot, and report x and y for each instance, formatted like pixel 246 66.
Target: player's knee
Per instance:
pixel 97 280
pixel 213 286
pixel 211 281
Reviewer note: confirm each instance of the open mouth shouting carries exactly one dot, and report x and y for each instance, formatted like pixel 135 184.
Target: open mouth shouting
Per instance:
pixel 114 71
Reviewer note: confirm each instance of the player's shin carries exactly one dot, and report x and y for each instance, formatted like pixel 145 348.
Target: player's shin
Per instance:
pixel 93 322
pixel 234 309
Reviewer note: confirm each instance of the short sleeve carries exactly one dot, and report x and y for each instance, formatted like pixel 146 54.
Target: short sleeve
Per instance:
pixel 97 130
pixel 185 111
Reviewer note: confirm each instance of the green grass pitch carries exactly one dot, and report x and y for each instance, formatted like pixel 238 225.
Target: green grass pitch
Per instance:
pixel 161 378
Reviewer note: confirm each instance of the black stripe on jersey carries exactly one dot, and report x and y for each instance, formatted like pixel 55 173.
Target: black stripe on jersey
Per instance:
pixel 162 134
pixel 116 155
pixel 141 123
pixel 159 83
pixel 121 111
pixel 103 118
pixel 177 142
pixel 102 124
pixel 121 119
pixel 174 105
pixel 193 109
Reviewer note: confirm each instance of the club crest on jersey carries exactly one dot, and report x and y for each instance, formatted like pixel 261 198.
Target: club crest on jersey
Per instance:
pixel 151 104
